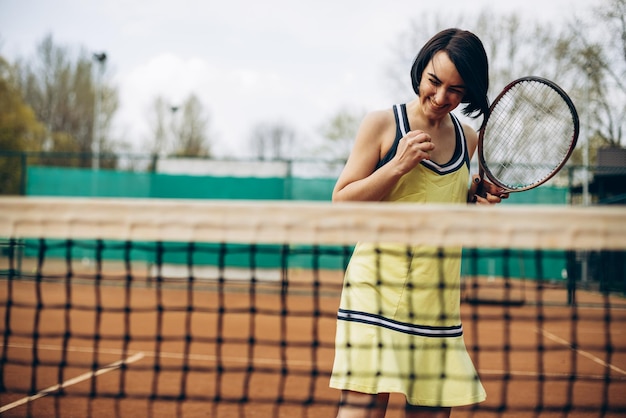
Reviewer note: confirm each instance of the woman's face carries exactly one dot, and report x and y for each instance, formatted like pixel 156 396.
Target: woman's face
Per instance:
pixel 441 88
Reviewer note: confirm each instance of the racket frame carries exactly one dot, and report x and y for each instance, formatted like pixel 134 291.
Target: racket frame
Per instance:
pixel 483 169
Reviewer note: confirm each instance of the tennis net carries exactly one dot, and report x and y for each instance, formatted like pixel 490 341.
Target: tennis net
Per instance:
pixel 229 309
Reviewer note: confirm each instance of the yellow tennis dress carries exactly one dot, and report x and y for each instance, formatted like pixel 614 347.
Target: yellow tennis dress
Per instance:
pixel 399 325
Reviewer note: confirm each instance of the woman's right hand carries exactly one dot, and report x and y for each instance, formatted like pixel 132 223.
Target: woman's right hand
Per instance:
pixel 414 148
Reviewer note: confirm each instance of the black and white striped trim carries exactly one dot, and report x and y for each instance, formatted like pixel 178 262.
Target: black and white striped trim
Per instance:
pixel 448 168
pixel 412 329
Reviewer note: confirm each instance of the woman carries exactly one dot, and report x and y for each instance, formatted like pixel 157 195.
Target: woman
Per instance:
pixel 399 327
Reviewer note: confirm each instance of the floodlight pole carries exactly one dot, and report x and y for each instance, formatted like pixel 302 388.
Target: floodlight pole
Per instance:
pixel 584 265
pixel 586 197
pixel 100 58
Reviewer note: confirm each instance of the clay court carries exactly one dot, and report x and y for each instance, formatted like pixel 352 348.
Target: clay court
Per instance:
pixel 230 349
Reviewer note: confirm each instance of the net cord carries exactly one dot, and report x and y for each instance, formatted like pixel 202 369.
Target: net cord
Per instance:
pixel 519 226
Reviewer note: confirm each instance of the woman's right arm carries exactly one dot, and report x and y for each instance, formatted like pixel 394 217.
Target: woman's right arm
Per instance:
pixel 359 181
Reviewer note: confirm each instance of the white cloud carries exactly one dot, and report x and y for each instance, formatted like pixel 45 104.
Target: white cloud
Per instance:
pixel 248 61
pixel 235 98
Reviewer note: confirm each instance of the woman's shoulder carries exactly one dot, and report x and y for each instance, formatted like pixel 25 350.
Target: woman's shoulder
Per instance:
pixel 378 120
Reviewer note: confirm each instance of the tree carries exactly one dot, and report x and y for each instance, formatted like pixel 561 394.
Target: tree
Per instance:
pixel 19 131
pixel 61 90
pixel 180 131
pixel 272 141
pixel 587 59
pixel 597 52
pixel 159 116
pixel 340 132
pixel 191 130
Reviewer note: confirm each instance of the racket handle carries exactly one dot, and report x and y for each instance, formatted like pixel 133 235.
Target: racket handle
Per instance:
pixel 480 188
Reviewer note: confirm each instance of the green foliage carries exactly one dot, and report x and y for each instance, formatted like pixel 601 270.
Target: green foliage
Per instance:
pixel 19 131
pixel 19 128
pixel 191 130
pixel 181 131
pixel 62 91
pixel 340 132
pixel 586 57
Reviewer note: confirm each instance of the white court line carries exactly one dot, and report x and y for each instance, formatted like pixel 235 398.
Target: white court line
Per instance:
pixel 164 354
pixel 537 374
pixel 73 381
pixel 581 352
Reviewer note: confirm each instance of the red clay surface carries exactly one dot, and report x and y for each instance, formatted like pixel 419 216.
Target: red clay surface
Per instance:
pixel 573 375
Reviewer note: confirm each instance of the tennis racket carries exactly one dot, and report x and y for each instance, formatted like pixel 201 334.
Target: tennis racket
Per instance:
pixel 531 131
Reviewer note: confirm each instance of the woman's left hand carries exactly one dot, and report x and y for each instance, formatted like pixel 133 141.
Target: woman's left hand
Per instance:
pixel 493 194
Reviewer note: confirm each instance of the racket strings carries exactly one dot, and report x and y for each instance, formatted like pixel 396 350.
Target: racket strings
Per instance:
pixel 530 133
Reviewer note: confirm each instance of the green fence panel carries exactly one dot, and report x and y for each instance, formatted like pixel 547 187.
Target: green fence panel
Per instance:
pixel 77 182
pixel 311 189
pixel 201 187
pixel 248 256
pixel 544 195
pixel 74 182
pixel 515 263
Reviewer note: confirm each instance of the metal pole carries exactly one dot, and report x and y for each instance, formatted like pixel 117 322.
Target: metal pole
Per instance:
pixel 95 145
pixel 586 197
pixel 584 265
pixel 175 144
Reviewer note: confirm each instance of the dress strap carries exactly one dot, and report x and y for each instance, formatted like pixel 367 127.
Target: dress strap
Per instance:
pixel 402 119
pixel 399 112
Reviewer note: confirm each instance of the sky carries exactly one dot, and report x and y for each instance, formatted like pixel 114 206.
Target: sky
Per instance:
pixel 292 62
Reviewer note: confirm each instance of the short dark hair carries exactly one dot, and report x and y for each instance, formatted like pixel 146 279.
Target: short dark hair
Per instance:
pixel 467 53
